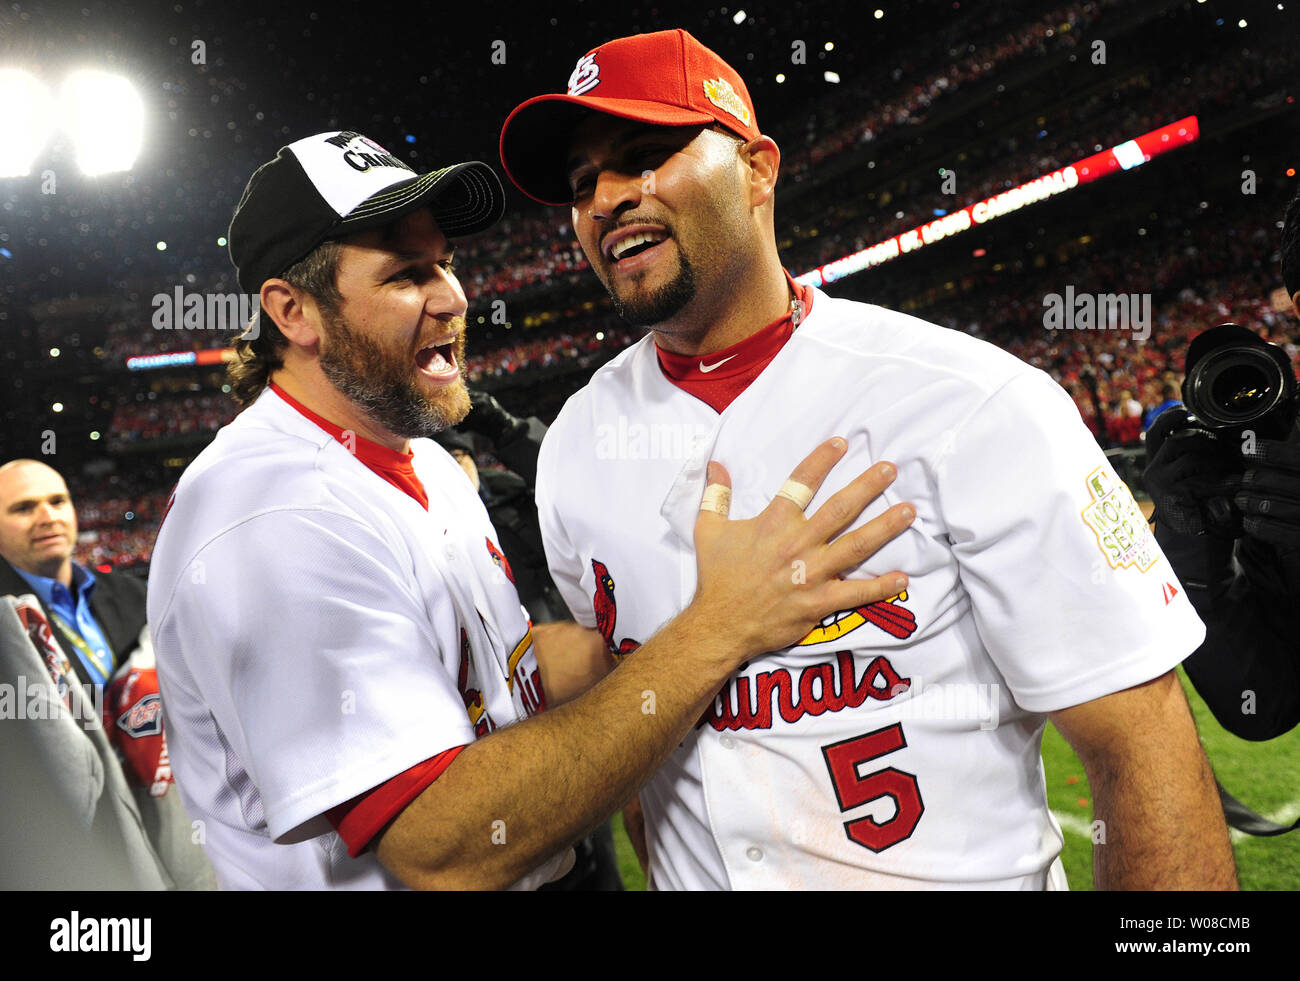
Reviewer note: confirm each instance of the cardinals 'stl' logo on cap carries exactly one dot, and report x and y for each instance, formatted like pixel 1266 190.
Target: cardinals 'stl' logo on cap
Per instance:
pixel 585 77
pixel 721 94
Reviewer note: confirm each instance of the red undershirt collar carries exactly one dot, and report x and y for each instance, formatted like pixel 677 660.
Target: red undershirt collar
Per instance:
pixel 391 465
pixel 717 379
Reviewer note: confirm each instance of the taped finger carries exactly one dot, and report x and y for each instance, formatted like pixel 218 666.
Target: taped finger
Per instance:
pixel 717 498
pixel 800 495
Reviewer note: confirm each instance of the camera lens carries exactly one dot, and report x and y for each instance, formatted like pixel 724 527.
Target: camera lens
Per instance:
pixel 1235 386
pixel 1236 380
pixel 1240 390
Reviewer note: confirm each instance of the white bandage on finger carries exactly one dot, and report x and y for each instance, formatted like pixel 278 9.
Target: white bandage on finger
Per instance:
pixel 717 498
pixel 800 494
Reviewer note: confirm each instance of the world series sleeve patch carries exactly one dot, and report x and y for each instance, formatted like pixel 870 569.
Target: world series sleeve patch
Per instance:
pixel 1123 535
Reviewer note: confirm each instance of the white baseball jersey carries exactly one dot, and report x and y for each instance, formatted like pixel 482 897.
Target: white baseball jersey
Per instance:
pixel 898 745
pixel 317 633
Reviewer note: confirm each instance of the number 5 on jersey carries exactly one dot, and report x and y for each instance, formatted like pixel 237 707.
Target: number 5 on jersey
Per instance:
pixel 852 790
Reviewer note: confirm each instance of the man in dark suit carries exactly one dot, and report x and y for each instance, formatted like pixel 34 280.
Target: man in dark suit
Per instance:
pixel 96 619
pixel 74 815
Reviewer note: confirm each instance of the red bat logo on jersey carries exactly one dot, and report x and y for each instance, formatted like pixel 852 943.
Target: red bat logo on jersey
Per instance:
pixel 499 558
pixel 607 612
pixel 888 615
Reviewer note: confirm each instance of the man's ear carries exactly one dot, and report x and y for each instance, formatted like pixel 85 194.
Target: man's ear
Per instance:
pixel 293 311
pixel 764 159
pixel 1295 302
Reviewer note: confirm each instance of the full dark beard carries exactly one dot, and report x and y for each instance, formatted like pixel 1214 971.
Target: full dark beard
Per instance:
pixel 384 385
pixel 660 305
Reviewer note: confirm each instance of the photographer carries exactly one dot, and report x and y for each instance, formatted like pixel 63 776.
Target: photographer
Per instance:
pixel 1228 518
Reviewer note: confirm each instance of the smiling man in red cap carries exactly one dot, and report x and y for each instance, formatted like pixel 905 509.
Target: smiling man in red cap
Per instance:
pixel 353 691
pixel 896 745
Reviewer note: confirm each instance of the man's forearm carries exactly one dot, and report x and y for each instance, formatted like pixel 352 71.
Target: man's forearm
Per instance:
pixel 1162 826
pixel 514 798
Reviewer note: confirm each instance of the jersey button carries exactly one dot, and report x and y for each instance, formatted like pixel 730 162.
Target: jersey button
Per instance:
pixel 726 742
pixel 449 550
pixel 754 853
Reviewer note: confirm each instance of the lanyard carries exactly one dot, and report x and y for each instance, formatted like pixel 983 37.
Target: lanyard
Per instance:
pixel 83 648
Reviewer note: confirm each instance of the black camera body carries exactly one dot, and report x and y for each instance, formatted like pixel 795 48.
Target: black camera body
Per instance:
pixel 1237 382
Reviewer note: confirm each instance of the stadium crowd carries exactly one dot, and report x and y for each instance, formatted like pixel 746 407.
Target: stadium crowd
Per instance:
pixel 533 248
pixel 117 523
pixel 1129 108
pixel 536 248
pixel 170 418
pixel 551 351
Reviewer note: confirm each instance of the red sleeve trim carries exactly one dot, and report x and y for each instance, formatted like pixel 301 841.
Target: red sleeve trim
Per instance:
pixel 358 821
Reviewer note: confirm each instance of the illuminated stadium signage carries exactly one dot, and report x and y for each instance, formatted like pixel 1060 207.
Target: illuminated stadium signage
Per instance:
pixel 147 362
pixel 1124 156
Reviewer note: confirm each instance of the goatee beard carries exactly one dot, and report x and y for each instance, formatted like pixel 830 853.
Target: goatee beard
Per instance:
pixel 385 388
pixel 660 305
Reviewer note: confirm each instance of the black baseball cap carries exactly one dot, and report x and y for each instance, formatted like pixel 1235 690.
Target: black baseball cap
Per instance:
pixel 334 184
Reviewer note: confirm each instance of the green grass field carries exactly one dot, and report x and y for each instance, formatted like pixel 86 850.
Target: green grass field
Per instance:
pixel 1264 776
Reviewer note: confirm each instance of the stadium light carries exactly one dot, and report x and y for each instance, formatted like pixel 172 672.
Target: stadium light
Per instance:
pixel 26 119
pixel 104 115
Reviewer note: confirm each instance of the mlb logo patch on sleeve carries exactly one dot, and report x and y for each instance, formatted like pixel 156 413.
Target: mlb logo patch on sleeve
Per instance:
pixel 1123 535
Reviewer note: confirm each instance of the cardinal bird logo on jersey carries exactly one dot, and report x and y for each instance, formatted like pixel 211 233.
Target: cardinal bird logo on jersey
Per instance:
pixel 607 612
pixel 478 716
pixel 499 558
pixel 889 615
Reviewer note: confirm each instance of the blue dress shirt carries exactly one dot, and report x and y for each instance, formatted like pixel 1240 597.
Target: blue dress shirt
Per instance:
pixel 74 607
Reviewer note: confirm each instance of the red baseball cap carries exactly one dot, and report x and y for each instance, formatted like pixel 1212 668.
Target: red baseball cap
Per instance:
pixel 667 78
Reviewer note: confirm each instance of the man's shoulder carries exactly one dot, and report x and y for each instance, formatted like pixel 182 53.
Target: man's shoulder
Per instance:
pixel 263 455
pixel 867 332
pixel 628 366
pixel 269 461
pixel 620 380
